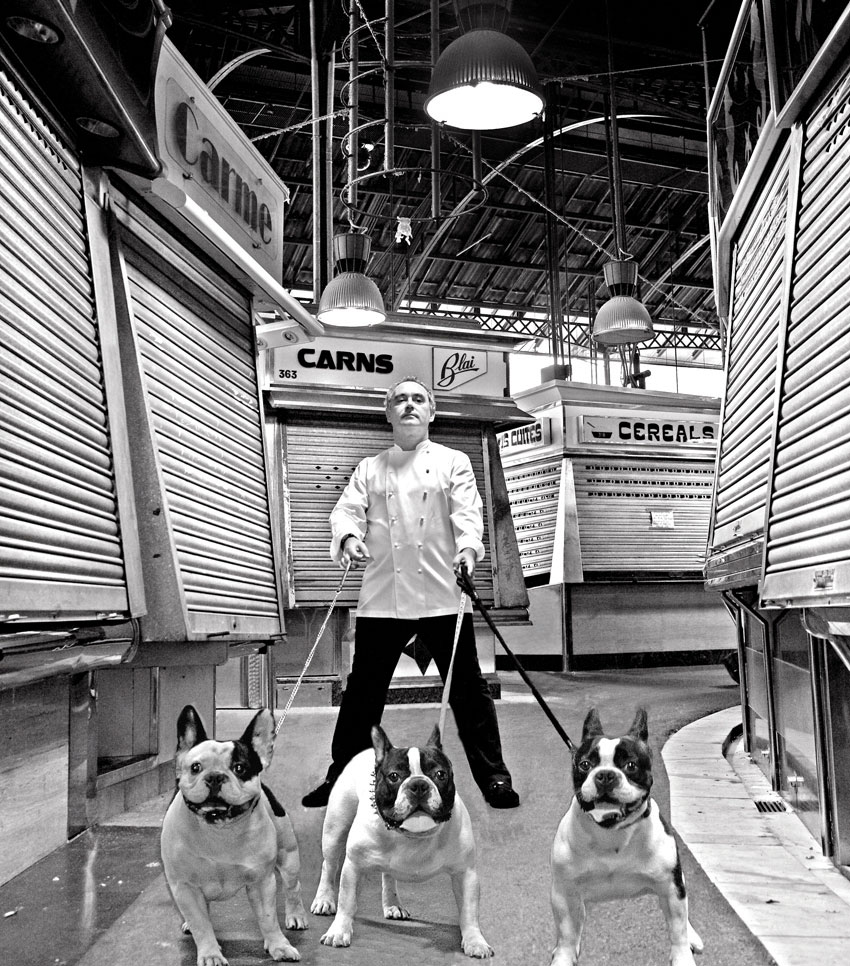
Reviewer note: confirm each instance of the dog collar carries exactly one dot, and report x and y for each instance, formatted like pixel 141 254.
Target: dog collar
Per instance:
pixel 216 816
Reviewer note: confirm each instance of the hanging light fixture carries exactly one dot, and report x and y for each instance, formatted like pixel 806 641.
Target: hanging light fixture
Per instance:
pixel 622 319
pixel 351 298
pixel 484 80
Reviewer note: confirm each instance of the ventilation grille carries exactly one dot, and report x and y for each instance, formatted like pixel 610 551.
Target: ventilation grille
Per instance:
pixel 770 805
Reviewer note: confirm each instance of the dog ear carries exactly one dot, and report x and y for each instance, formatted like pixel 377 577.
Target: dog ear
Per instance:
pixel 592 726
pixel 259 735
pixel 435 740
pixel 190 730
pixel 640 728
pixel 380 742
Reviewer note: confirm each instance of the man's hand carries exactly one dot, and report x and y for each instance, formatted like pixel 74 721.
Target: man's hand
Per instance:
pixel 355 552
pixel 465 558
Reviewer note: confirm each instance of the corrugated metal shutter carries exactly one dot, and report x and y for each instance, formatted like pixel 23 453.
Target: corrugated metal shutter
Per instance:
pixel 195 339
pixel 62 554
pixel 642 515
pixel 808 535
pixel 320 458
pixel 745 441
pixel 533 489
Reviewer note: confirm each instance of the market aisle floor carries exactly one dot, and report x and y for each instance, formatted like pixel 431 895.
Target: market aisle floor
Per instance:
pixel 102 901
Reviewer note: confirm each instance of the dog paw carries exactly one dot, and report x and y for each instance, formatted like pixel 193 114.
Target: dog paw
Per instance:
pixel 477 947
pixel 282 951
pixel 323 906
pixel 295 916
pixel 396 912
pixel 336 937
pixel 212 959
pixel 694 940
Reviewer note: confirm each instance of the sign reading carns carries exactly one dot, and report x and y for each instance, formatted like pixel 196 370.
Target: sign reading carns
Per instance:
pixel 361 364
pixel 649 430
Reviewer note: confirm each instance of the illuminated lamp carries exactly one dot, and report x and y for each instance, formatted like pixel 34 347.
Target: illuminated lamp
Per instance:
pixel 484 80
pixel 351 298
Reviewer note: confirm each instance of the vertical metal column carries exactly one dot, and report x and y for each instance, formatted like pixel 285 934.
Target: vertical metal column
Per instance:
pixel 556 324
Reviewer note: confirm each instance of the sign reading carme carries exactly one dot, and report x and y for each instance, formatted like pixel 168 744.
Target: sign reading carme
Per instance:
pixel 647 430
pixel 207 156
pixel 373 364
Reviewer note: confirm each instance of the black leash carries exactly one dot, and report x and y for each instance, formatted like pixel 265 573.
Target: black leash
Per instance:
pixel 465 582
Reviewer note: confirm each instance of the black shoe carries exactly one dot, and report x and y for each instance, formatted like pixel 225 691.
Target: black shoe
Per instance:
pixel 499 794
pixel 319 796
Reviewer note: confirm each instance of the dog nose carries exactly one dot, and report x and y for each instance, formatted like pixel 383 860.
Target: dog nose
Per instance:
pixel 215 781
pixel 605 778
pixel 418 787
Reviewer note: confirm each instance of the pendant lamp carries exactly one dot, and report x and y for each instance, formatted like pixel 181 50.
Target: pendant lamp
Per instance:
pixel 351 298
pixel 484 80
pixel 622 318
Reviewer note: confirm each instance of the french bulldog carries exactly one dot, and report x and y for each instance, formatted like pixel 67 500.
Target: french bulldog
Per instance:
pixel 225 831
pixel 396 810
pixel 613 843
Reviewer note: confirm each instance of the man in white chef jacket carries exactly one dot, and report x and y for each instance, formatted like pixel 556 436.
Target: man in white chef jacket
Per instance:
pixel 412 516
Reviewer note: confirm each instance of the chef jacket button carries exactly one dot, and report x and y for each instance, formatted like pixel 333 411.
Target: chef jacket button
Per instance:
pixel 419 571
pixel 398 570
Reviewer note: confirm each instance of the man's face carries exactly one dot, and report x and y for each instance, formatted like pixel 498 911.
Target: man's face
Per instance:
pixel 409 406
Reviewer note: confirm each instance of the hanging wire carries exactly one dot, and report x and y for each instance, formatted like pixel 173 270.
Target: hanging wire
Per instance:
pixel 655 286
pixel 294 127
pixel 368 23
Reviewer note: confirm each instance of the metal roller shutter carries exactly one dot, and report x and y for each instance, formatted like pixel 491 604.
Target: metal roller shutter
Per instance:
pixel 643 515
pixel 62 555
pixel 808 534
pixel 320 458
pixel 533 489
pixel 195 340
pixel 745 441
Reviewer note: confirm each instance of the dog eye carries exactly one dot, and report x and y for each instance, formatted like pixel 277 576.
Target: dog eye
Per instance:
pixel 196 768
pixel 239 769
pixel 393 777
pixel 584 766
pixel 630 766
pixel 440 775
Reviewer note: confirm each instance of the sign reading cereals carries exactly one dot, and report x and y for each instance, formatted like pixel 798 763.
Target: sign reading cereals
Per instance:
pixel 644 431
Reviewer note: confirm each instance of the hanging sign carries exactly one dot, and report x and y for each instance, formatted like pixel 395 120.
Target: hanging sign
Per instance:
pixel 531 436
pixel 207 156
pixel 373 364
pixel 648 431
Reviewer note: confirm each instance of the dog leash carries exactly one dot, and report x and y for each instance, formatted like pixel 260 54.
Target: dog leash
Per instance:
pixel 465 582
pixel 312 650
pixel 444 703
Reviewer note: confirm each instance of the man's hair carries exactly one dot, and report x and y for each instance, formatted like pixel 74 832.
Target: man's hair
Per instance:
pixel 418 381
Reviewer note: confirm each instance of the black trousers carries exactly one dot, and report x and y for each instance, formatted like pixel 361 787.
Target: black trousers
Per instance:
pixel 378 643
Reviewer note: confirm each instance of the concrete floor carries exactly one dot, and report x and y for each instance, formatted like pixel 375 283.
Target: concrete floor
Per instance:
pixel 102 901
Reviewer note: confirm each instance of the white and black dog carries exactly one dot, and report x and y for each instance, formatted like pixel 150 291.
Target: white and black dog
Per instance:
pixel 396 811
pixel 613 842
pixel 225 831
